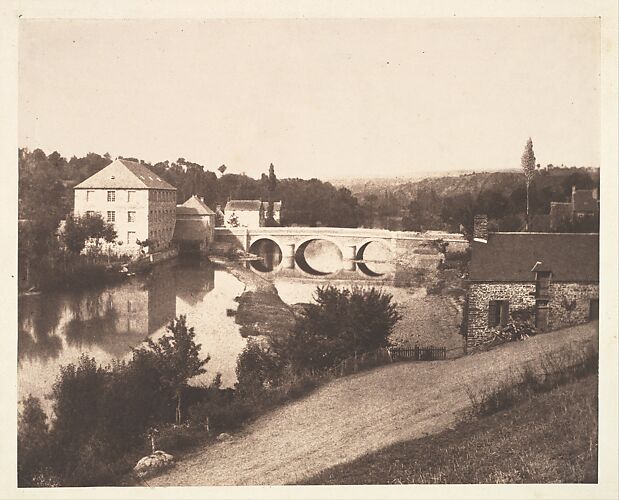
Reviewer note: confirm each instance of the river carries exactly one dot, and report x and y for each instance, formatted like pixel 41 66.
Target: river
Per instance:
pixel 56 328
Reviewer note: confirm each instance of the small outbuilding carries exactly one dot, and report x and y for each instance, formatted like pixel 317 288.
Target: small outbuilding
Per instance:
pixel 195 226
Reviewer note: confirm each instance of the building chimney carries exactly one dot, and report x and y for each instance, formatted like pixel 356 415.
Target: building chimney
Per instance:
pixel 573 193
pixel 480 228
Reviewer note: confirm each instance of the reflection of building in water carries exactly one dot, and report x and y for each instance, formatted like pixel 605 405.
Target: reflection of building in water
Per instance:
pixel 121 318
pixel 193 285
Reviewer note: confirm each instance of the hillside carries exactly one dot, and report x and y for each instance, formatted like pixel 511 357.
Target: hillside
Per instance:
pixel 461 182
pixel 360 414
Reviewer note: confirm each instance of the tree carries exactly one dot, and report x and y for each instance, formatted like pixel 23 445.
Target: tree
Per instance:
pixel 32 441
pixel 222 169
pixel 271 185
pixel 528 166
pixel 79 229
pixel 177 357
pixel 341 323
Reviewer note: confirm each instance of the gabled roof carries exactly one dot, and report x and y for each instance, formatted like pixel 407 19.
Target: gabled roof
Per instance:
pixel 584 201
pixel 125 174
pixel 243 205
pixel 511 256
pixel 193 206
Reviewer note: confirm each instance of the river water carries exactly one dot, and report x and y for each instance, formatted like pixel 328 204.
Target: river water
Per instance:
pixel 55 329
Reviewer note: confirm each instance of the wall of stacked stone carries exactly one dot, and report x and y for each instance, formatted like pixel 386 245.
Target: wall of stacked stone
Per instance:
pixel 521 296
pixel 570 303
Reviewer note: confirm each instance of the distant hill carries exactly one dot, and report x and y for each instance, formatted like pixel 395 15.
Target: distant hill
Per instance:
pixel 460 182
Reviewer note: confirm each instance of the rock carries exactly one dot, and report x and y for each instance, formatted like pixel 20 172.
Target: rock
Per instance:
pixel 224 436
pixel 156 461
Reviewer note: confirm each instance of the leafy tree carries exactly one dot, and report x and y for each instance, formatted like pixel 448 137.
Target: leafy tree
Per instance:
pixel 79 229
pixel 528 167
pixel 256 369
pixel 177 357
pixel 32 441
pixel 340 324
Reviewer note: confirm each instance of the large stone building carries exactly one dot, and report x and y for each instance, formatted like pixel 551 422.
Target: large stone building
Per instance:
pixel 140 204
pixel 553 277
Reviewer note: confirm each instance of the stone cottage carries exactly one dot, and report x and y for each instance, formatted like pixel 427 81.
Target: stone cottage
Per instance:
pixel 249 213
pixel 554 277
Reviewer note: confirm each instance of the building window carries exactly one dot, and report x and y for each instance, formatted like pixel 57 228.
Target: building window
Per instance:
pixel 111 216
pixel 131 238
pixel 111 196
pixel 498 313
pixel 130 196
pixel 130 216
pixel 90 195
pixel 90 213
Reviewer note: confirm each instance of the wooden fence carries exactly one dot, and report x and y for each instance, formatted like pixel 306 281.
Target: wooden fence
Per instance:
pixel 418 353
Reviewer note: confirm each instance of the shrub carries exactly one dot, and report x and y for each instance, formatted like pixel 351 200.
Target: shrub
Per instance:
pixel 33 445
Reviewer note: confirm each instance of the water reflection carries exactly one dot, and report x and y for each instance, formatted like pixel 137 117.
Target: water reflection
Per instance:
pixel 56 329
pixel 269 253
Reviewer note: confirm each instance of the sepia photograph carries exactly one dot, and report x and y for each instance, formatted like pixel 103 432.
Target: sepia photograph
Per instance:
pixel 334 250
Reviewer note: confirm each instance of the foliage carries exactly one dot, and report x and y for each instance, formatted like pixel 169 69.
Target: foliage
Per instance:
pixel 528 167
pixel 79 229
pixel 341 323
pixel 257 368
pixel 233 220
pixel 32 444
pixel 177 358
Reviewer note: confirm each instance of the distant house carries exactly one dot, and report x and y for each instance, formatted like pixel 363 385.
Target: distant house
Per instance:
pixel 195 226
pixel 553 277
pixel 585 203
pixel 139 204
pixel 250 213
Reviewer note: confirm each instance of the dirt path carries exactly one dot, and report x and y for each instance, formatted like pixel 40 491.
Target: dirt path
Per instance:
pixel 359 414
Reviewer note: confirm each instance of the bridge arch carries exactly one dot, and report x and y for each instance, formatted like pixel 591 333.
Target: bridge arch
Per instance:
pixel 270 250
pixel 306 267
pixel 371 269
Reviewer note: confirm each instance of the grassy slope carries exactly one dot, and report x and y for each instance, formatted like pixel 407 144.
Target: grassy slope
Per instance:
pixel 549 438
pixel 360 414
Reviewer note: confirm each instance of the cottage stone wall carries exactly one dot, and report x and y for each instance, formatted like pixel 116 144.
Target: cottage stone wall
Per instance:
pixel 570 303
pixel 521 296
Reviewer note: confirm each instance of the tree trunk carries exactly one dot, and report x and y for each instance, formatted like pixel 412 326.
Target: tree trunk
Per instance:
pixel 527 217
pixel 178 407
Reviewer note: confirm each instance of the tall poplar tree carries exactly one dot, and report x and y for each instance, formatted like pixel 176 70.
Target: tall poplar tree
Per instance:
pixel 528 166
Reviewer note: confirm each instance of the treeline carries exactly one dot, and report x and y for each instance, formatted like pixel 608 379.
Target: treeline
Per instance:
pixel 103 417
pixel 447 203
pixel 46 188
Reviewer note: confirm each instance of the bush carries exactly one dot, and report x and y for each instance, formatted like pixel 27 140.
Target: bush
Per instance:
pixel 342 323
pixel 33 445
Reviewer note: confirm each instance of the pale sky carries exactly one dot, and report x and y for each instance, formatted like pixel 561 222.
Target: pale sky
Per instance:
pixel 318 98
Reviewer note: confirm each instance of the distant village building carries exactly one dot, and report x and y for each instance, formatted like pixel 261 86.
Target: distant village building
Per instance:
pixel 554 277
pixel 585 203
pixel 250 213
pixel 195 226
pixel 139 204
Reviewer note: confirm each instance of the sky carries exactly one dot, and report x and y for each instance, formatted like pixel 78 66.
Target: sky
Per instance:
pixel 317 98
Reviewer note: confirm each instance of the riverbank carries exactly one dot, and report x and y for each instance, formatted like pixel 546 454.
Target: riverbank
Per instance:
pixel 261 311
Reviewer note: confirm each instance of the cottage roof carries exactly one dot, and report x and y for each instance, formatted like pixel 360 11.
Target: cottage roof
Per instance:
pixel 511 256
pixel 243 205
pixel 193 206
pixel 584 201
pixel 125 174
pixel 189 230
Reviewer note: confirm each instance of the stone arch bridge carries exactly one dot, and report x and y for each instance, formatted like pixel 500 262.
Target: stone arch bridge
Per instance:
pixel 366 253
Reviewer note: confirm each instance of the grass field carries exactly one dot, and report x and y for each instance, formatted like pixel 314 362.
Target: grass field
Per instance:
pixel 548 438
